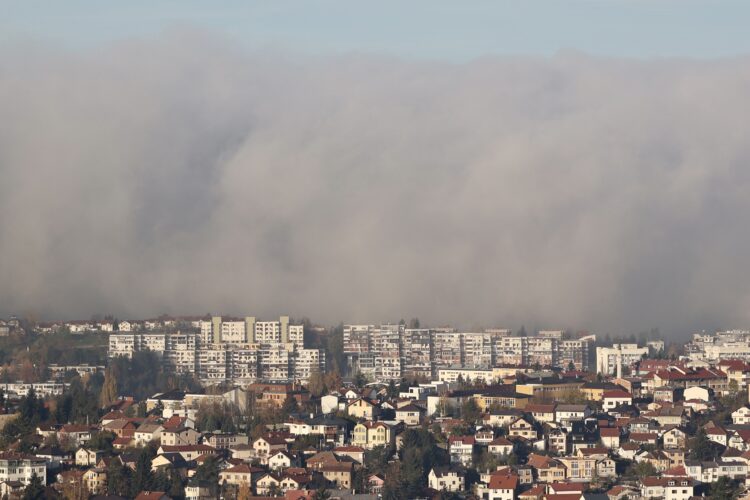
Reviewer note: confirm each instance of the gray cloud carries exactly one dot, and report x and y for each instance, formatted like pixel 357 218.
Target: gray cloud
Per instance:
pixel 184 175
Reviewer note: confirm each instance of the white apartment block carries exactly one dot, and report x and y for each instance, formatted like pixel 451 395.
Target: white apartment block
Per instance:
pixel 21 468
pixel 233 331
pixel 42 389
pixel 390 351
pixel 609 360
pixel 357 338
pixel 297 336
pixel 307 362
pixel 222 351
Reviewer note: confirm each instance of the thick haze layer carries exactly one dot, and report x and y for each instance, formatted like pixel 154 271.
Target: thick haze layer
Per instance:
pixel 182 175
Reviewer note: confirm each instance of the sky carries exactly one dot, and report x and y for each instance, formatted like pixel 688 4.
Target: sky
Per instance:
pixel 547 165
pixel 435 29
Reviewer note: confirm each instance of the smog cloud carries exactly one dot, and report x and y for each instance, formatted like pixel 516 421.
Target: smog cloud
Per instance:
pixel 185 175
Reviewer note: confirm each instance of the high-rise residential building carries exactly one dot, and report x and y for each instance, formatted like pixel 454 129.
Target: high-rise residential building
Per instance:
pixel 228 349
pixel 417 353
pixel 446 348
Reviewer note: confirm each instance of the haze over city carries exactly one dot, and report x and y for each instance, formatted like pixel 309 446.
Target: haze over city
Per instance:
pixel 187 168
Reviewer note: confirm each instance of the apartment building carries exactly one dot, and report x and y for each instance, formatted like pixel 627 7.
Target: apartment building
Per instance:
pixel 20 467
pixel 610 360
pixel 221 351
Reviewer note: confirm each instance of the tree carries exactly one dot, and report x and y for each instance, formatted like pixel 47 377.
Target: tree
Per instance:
pixel 102 441
pixel 108 394
pixel 289 406
pixel 393 487
pixel 360 380
pixel 377 458
pixel 118 479
pixel 243 492
pixel 142 476
pixel 335 350
pixel 470 411
pixel 316 384
pixel 702 448
pixel 274 490
pixel 321 494
pixel 332 380
pixel 208 471
pixel 35 489
pixel 31 409
pixel 392 389
pixel 724 489
pixel 642 469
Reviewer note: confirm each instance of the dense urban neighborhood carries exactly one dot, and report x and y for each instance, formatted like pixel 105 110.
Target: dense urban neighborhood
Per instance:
pixel 222 407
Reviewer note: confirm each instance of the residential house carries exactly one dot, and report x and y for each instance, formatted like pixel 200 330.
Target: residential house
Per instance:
pixel 95 480
pixel 501 447
pixel 265 446
pixel 410 415
pixel 147 432
pixel 368 435
pixel 460 449
pixel 610 437
pixel 522 427
pixel 613 399
pixel 238 475
pixel 741 416
pixel 181 436
pixel 339 474
pixel 362 408
pixel 543 413
pixel 501 486
pixel 546 469
pixel 445 479
pixel 88 458
pixel 667 488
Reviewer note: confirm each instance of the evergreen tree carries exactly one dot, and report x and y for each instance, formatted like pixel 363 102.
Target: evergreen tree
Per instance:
pixel 470 411
pixel 702 448
pixel 321 494
pixel 724 489
pixel 35 489
pixel 142 476
pixel 289 406
pixel 208 471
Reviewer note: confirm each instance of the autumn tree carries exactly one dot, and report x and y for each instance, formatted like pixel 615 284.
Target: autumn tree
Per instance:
pixel 316 384
pixel 108 394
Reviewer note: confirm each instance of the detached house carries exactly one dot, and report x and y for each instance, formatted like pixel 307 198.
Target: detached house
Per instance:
pixel 522 427
pixel 674 438
pixel 741 416
pixel 541 412
pixel 266 446
pixel 410 415
pixel 179 437
pixel 502 486
pixel 667 488
pixel 461 449
pixel 546 469
pixel 368 435
pixel 362 408
pixel 613 399
pixel 610 437
pixel 501 447
pixel 445 479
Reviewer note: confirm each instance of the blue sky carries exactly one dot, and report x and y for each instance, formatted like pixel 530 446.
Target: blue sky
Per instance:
pixel 434 29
